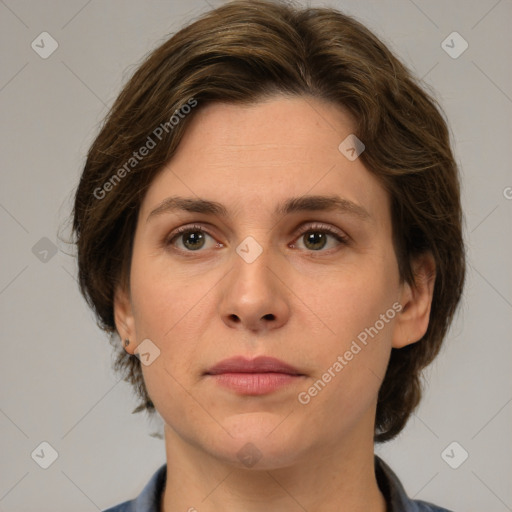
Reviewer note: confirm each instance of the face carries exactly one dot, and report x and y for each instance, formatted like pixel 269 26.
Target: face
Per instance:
pixel 275 250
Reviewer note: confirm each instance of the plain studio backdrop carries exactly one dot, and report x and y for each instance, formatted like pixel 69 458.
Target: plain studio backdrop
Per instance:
pixel 56 382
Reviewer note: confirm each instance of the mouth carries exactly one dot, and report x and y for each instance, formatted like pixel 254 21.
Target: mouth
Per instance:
pixel 258 376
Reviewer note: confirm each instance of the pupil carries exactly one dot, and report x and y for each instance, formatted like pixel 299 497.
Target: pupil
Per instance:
pixel 316 239
pixel 196 239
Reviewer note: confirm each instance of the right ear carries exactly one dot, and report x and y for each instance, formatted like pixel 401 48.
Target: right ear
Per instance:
pixel 124 319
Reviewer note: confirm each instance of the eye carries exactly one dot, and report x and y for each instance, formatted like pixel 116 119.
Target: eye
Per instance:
pixel 316 237
pixel 192 238
pixel 313 238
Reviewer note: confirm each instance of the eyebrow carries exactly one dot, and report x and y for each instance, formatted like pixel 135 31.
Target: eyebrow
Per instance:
pixel 311 203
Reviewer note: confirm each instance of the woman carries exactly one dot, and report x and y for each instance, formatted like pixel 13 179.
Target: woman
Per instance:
pixel 269 224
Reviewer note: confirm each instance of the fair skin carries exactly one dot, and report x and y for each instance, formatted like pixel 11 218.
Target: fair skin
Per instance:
pixel 303 300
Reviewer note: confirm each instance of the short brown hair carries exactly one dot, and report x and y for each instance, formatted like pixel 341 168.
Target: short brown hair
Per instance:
pixel 240 53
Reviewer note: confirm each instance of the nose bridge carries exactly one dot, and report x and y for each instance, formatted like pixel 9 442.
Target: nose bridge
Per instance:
pixel 253 295
pixel 253 264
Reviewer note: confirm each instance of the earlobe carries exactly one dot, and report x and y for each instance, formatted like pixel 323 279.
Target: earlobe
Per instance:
pixel 416 299
pixel 123 317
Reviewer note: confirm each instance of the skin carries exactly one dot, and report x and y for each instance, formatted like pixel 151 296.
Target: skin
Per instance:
pixel 299 302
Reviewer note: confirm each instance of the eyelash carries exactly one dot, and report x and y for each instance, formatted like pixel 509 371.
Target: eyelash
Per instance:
pixel 320 228
pixel 316 228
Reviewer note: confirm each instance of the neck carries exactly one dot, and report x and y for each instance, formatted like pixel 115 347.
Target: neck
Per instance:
pixel 342 479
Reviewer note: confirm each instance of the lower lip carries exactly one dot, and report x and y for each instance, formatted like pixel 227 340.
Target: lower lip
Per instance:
pixel 255 383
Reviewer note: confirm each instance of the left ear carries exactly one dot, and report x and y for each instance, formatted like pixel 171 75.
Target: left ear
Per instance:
pixel 416 300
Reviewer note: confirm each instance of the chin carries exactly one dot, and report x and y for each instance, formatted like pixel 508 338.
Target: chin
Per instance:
pixel 259 441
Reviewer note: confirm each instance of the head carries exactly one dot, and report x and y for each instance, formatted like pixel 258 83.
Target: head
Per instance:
pixel 244 113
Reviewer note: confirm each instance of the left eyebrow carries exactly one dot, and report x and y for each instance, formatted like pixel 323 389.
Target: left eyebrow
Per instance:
pixel 311 203
pixel 322 203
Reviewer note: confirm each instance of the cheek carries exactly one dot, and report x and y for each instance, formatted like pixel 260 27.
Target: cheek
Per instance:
pixel 351 360
pixel 172 314
pixel 174 311
pixel 356 306
pixel 164 301
pixel 351 298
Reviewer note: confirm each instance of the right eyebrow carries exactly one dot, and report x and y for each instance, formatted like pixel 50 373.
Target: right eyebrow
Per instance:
pixel 188 204
pixel 295 204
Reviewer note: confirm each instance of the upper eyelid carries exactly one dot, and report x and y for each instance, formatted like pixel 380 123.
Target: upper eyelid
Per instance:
pixel 304 228
pixel 182 230
pixel 312 225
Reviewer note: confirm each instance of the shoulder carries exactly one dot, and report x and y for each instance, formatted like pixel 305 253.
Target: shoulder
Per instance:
pixel 127 506
pixel 150 497
pixel 395 494
pixel 423 506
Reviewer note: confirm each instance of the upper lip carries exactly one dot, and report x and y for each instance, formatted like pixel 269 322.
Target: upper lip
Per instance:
pixel 261 364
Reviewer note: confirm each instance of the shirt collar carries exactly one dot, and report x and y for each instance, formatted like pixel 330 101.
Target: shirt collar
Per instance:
pixel 149 500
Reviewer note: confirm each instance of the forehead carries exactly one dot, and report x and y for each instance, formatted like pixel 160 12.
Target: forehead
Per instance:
pixel 253 157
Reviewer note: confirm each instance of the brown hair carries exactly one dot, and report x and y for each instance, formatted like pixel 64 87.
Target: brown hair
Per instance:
pixel 243 52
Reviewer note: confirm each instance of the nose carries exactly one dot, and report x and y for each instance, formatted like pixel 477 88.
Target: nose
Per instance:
pixel 254 296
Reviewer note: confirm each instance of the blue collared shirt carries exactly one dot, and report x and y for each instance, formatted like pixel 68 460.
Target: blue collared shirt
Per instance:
pixel 149 500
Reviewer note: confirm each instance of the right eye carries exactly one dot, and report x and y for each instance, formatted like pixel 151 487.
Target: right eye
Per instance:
pixel 191 238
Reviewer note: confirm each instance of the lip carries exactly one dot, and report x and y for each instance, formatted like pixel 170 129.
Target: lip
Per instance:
pixel 258 376
pixel 261 364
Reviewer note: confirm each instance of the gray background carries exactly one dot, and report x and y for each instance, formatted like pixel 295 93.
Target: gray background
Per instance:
pixel 55 377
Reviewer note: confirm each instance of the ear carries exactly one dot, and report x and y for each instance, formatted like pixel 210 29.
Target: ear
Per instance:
pixel 123 317
pixel 416 300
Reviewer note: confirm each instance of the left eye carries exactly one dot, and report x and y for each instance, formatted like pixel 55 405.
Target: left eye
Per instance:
pixel 317 239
